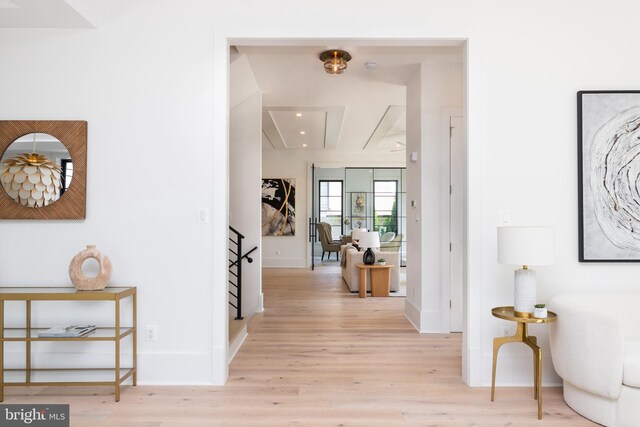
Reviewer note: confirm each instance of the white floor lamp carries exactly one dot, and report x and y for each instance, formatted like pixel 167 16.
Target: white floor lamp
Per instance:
pixel 525 246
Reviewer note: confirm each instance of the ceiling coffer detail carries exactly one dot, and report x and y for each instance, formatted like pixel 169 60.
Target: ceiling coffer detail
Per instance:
pixel 293 128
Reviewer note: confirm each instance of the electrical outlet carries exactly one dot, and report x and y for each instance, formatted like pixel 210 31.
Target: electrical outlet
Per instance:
pixel 151 333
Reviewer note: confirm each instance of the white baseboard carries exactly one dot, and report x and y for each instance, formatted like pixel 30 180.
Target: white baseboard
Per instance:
pixel 280 262
pixel 174 383
pixel 237 342
pixel 412 314
pixel 159 368
pixel 515 368
pixel 220 364
pixel 474 366
pixel 260 308
pixel 425 322
pixel 431 322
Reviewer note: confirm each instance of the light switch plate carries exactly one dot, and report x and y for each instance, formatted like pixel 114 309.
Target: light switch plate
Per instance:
pixel 203 215
pixel 505 217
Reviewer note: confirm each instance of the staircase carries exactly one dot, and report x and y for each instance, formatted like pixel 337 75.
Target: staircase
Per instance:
pixel 237 323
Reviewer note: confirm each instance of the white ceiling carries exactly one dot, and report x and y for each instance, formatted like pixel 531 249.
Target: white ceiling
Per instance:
pixel 40 14
pixel 59 13
pixel 362 109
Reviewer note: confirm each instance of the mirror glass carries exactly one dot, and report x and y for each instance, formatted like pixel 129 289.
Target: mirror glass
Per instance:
pixel 36 170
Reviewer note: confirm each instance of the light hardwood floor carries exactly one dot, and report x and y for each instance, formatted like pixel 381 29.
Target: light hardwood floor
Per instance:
pixel 321 356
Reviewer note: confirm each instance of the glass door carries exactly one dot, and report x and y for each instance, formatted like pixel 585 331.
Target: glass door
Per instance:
pixel 331 206
pixel 385 206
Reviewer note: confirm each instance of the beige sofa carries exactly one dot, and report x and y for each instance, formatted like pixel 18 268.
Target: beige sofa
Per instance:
pixel 350 257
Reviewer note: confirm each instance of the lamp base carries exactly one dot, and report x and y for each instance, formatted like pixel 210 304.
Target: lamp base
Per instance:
pixel 521 314
pixel 369 257
pixel 524 292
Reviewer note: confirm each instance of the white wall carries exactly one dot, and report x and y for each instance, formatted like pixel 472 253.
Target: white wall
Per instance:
pixel 294 251
pixel 413 301
pixel 434 89
pixel 145 82
pixel 245 162
pixel 146 89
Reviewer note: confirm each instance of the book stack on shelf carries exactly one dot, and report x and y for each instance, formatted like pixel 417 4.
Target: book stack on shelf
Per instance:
pixel 73 331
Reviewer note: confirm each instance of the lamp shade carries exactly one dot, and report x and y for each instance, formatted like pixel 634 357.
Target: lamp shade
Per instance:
pixel 357 232
pixel 370 239
pixel 526 245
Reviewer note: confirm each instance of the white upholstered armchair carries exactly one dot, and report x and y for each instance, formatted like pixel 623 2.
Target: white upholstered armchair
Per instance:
pixel 595 347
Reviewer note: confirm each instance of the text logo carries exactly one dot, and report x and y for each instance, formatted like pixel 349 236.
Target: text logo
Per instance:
pixel 34 415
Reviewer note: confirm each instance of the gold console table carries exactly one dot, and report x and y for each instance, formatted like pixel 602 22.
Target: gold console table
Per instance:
pixel 521 335
pixel 28 334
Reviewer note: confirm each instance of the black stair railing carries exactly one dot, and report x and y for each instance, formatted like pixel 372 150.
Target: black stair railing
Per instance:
pixel 235 270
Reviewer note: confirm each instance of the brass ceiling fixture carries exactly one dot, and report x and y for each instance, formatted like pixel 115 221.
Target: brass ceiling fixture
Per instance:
pixel 335 60
pixel 31 179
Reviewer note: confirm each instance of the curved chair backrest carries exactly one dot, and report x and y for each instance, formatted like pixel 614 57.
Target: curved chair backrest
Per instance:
pixel 387 237
pixel 394 245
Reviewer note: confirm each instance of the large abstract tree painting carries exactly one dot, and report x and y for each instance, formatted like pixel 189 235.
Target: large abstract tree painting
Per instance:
pixel 278 207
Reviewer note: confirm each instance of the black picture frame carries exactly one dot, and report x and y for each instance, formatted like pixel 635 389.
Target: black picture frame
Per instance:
pixel 598 112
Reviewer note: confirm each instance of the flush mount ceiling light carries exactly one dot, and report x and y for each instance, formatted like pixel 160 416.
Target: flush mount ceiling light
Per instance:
pixel 335 61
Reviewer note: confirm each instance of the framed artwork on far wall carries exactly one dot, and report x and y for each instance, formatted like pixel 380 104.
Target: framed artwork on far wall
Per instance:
pixel 609 176
pixel 278 206
pixel 359 210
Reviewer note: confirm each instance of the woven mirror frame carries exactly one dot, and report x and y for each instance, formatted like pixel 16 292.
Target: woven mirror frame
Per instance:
pixel 73 134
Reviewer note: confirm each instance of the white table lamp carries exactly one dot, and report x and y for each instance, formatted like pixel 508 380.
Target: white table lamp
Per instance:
pixel 356 233
pixel 525 246
pixel 369 240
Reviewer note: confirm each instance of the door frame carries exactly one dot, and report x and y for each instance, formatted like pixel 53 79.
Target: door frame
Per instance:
pixel 447 164
pixel 224 37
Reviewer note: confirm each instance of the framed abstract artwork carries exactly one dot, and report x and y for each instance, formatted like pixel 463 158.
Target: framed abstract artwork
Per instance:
pixel 278 207
pixel 609 176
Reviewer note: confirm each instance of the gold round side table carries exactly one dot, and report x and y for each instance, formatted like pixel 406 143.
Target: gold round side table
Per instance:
pixel 522 336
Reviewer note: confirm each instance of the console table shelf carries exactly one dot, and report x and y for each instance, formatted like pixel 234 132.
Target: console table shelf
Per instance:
pixel 30 376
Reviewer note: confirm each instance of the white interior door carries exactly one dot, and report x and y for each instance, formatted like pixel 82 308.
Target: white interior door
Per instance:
pixel 455 220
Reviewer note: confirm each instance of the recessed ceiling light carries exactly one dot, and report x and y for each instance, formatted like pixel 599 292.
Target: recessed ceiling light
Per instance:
pixel 304 145
pixel 298 114
pixel 302 132
pixel 398 145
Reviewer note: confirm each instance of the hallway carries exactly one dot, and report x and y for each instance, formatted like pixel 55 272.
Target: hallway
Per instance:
pixel 321 356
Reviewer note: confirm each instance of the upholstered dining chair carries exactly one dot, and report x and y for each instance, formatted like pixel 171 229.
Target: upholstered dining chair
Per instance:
pixel 392 246
pixel 328 244
pixel 387 237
